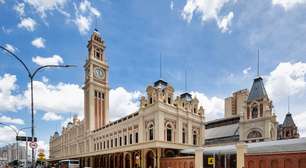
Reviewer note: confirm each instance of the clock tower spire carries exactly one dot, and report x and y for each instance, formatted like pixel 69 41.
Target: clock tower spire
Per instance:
pixel 96 89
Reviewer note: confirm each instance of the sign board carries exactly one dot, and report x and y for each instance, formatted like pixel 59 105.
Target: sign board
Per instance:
pixel 33 145
pixel 24 138
pixel 211 161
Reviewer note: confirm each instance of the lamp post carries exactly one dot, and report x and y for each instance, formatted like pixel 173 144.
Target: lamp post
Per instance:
pixel 31 75
pixel 17 131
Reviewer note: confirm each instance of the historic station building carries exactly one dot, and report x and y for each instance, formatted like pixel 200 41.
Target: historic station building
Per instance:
pixel 164 126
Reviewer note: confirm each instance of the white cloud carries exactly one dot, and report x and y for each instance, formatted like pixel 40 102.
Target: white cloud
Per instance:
pixel 8 101
pixel 213 106
pixel 10 47
pixel 6 30
pixel 45 79
pixel 60 98
pixel 7 135
pixel 2 1
pixel 122 102
pixel 286 79
pixel 83 23
pixel 19 8
pixel 299 120
pixel 27 23
pixel 65 97
pixel 54 60
pixel 49 116
pixel 225 22
pixel 288 4
pixel 85 6
pixel 39 42
pixel 6 119
pixel 208 10
pixel 44 6
pixel 171 5
pixel 247 70
pixel 84 16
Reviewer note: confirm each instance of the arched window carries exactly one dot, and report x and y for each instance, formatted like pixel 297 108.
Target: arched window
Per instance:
pixel 254 134
pixel 262 164
pixel 194 137
pixel 169 132
pixel 184 135
pixel 254 112
pixel 287 133
pixel 151 132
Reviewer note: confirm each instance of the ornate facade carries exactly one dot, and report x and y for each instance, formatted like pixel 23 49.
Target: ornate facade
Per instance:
pixel 163 125
pixel 248 118
pixel 288 130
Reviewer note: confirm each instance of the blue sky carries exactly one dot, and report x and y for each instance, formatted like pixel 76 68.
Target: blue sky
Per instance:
pixel 216 41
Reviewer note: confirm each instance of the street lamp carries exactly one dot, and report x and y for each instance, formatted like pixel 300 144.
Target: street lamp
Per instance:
pixel 17 131
pixel 31 76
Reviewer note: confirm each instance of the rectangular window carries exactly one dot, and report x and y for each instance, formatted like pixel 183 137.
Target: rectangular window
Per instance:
pixel 184 138
pixel 112 143
pixel 120 141
pixel 169 135
pixel 194 139
pixel 107 144
pixel 115 142
pixel 151 135
pixel 136 137
pixel 103 144
pixel 131 138
pixel 125 139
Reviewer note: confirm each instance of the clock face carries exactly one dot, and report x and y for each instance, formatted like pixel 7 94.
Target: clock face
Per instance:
pixel 99 73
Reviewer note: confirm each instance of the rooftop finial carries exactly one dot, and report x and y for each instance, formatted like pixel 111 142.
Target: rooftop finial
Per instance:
pixel 160 66
pixel 288 104
pixel 96 24
pixel 185 80
pixel 258 62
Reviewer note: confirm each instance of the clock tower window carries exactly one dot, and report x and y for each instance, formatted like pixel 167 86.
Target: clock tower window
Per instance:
pixel 98 54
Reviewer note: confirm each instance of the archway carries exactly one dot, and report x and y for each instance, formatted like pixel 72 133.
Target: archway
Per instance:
pixel 127 161
pixel 254 134
pixel 150 160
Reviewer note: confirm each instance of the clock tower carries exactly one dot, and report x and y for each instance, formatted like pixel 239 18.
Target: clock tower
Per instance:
pixel 96 89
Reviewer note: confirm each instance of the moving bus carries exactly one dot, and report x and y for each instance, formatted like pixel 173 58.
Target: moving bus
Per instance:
pixel 69 164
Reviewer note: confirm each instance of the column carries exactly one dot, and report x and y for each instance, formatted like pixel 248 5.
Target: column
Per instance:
pixel 189 133
pixel 141 132
pixel 241 149
pixel 124 159
pixel 199 157
pixel 179 131
pixel 158 155
pixel 142 158
pixel 159 126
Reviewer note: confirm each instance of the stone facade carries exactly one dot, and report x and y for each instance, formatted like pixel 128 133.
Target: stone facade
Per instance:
pixel 288 130
pixel 235 104
pixel 162 126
